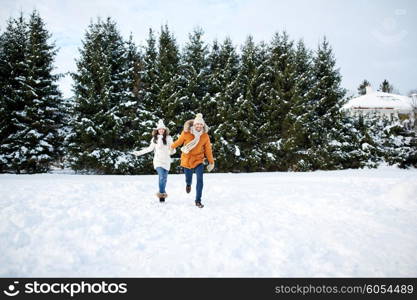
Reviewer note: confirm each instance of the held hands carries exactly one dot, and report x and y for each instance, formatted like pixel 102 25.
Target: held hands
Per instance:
pixel 210 167
pixel 184 150
pixel 136 153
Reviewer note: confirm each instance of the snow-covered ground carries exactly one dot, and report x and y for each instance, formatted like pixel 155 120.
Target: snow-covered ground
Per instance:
pixel 340 223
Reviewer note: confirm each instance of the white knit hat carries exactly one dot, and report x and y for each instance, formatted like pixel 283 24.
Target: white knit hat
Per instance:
pixel 199 119
pixel 160 124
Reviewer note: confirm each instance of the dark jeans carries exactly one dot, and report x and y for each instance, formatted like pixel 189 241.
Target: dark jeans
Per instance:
pixel 163 177
pixel 189 178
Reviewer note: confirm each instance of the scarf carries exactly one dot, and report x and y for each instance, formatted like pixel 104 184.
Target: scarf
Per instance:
pixel 197 134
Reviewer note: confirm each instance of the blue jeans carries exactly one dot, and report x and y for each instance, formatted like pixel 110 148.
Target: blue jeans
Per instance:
pixel 163 177
pixel 189 178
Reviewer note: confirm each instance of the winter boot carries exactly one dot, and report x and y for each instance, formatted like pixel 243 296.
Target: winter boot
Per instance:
pixel 188 189
pixel 198 204
pixel 161 196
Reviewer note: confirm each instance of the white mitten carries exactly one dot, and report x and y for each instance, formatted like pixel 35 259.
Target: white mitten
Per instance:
pixel 136 153
pixel 210 167
pixel 184 149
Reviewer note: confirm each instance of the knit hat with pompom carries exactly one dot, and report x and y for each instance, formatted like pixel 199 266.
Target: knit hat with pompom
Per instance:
pixel 199 119
pixel 160 125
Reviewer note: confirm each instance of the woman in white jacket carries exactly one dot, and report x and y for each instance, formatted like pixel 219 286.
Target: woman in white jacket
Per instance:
pixel 161 146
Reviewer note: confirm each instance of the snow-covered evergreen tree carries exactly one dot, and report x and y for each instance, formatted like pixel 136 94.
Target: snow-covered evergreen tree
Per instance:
pixel 14 72
pixel 295 141
pixel 354 147
pixel 210 102
pixel 386 87
pixel 103 129
pixel 281 74
pixel 31 104
pixel 47 110
pixel 410 159
pixel 362 87
pixel 67 107
pixel 371 139
pixel 326 101
pixel 244 116
pixel 167 66
pixel 149 79
pixel 226 131
pixel 395 141
pixel 141 122
pixel 149 109
pixel 194 75
pixel 263 89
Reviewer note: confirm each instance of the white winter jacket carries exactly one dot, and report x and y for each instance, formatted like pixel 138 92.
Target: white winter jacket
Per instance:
pixel 162 153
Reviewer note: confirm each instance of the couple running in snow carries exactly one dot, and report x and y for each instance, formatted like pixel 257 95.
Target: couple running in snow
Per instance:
pixel 196 146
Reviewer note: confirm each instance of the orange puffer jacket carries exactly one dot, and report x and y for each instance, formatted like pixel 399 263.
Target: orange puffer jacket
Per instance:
pixel 201 151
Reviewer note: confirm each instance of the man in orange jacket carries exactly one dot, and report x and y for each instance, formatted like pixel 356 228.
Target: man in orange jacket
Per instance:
pixel 196 147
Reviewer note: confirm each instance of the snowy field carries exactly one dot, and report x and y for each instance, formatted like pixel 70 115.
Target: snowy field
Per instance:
pixel 339 223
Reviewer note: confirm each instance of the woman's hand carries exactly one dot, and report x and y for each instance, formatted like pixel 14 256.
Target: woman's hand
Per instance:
pixel 136 153
pixel 210 167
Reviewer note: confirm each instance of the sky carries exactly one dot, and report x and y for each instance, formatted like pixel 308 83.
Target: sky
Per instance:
pixel 371 39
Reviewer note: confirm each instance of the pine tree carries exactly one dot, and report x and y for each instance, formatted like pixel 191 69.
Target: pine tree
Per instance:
pixel 14 72
pixel 167 66
pixel 326 115
pixel 386 87
pixel 368 133
pixel 67 107
pixel 210 103
pixel 375 139
pixel 295 142
pixel 354 147
pixel 396 143
pixel 31 136
pixel 263 89
pixel 280 99
pixel 139 123
pixel 149 109
pixel 362 87
pixel 194 69
pixel 226 131
pixel 149 91
pixel 245 113
pixel 410 159
pixel 47 110
pixel 135 68
pixel 149 78
pixel 103 130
